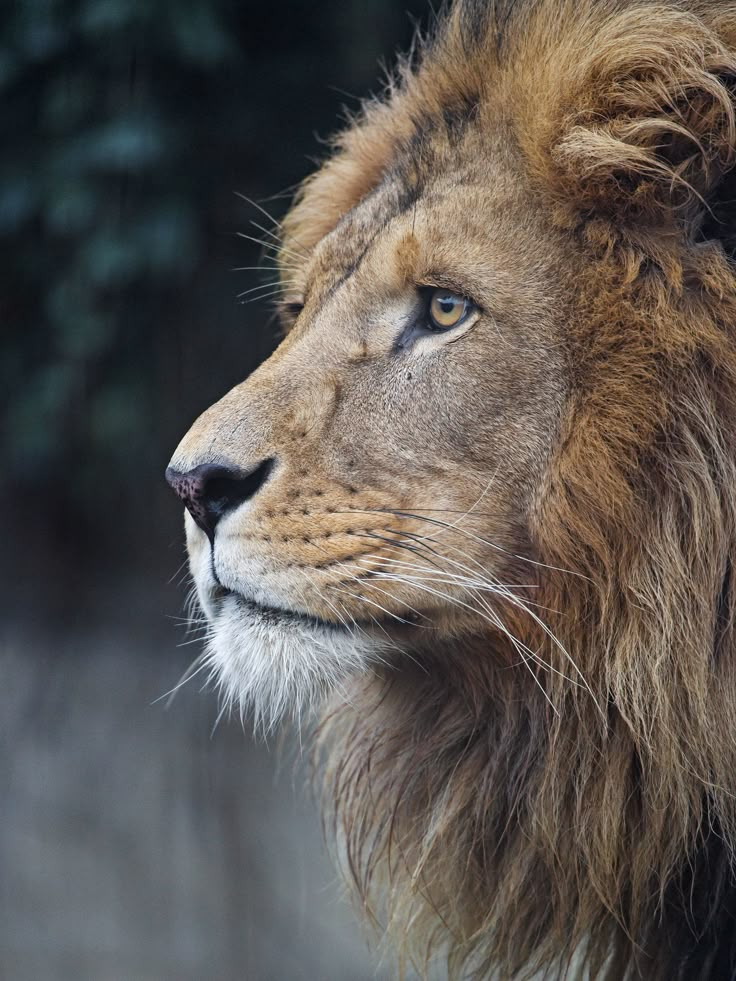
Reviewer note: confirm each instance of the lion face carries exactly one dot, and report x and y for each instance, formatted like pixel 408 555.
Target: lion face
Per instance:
pixel 403 457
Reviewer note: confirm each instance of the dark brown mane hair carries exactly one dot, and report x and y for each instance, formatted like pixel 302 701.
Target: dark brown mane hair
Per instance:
pixel 594 830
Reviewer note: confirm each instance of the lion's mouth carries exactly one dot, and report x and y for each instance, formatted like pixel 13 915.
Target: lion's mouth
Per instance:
pixel 225 599
pixel 274 616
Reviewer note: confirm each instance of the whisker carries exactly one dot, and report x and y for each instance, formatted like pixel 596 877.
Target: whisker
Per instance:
pixel 267 214
pixel 475 505
pixel 404 653
pixel 430 575
pixel 279 249
pixel 364 599
pixel 495 585
pixel 261 267
pixel 265 296
pixel 495 620
pixel 261 286
pixel 366 581
pixel 198 665
pixel 270 234
pixel 454 580
pixel 389 541
pixel 178 572
pixel 443 524
pixel 255 204
pixel 516 601
pixel 513 599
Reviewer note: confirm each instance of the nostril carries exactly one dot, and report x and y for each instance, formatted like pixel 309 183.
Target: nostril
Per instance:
pixel 211 490
pixel 225 489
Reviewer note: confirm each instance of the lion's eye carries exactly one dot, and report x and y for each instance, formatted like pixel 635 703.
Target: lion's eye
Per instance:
pixel 288 311
pixel 447 309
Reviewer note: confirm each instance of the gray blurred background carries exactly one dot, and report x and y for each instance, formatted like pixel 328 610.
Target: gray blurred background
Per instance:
pixel 136 842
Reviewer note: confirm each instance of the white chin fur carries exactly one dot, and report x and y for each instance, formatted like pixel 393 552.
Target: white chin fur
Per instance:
pixel 272 668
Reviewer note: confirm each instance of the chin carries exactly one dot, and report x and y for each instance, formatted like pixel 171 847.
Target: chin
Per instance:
pixel 272 664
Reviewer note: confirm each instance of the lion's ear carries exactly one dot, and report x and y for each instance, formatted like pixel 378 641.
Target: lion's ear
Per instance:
pixel 645 134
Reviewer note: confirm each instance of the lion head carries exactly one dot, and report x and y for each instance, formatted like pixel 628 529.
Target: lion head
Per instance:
pixel 481 502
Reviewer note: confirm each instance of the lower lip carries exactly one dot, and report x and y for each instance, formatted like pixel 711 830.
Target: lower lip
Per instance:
pixel 278 615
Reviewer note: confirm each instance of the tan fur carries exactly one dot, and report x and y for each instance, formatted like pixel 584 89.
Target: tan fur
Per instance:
pixel 562 798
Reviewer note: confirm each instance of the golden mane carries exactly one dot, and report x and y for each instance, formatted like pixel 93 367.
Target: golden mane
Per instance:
pixel 595 830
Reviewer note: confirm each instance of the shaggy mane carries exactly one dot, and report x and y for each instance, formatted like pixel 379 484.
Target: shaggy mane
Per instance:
pixel 594 829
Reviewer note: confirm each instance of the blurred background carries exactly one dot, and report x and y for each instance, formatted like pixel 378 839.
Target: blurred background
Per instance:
pixel 135 841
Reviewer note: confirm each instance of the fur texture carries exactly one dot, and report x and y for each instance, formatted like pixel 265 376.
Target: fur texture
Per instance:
pixel 267 670
pixel 544 780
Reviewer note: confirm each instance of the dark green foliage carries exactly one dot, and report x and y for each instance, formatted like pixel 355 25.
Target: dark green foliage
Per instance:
pixel 101 223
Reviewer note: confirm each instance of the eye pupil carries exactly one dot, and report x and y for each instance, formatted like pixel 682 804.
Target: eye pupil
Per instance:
pixel 447 309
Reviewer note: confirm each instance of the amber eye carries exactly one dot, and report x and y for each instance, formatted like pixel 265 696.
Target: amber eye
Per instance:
pixel 447 309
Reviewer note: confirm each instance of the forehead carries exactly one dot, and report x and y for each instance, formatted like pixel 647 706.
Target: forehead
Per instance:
pixel 463 223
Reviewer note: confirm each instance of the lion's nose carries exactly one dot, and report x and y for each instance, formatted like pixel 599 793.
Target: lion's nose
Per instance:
pixel 211 490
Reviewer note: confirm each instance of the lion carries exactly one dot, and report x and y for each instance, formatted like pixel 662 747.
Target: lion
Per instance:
pixel 479 507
